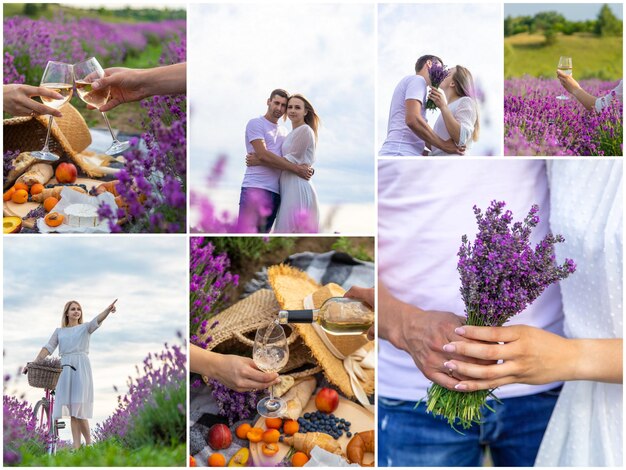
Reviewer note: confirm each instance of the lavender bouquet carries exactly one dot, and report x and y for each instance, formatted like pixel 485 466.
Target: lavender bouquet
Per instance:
pixel 438 74
pixel 501 274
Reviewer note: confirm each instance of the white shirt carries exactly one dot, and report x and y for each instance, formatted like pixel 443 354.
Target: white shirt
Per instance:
pixel 424 207
pixel 402 141
pixel 616 93
pixel 465 112
pixel 273 135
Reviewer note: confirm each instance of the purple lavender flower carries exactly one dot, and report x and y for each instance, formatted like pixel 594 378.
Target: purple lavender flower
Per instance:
pixel 437 74
pixel 235 406
pixel 501 274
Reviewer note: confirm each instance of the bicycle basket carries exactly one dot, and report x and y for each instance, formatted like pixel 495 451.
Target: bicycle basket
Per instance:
pixel 40 376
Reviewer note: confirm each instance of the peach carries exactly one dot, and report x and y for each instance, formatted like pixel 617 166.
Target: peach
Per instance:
pixel 219 437
pixel 11 224
pixel 66 173
pixel 327 400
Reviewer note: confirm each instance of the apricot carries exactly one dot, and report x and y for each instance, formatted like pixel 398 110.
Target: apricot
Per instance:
pixel 273 423
pixel 217 460
pixel 20 185
pixel 291 426
pixel 271 436
pixel 20 196
pixel 8 194
pixel 53 219
pixel 242 430
pixel 49 203
pixel 299 459
pixel 36 188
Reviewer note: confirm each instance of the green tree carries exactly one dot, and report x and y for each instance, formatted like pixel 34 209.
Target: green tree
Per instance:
pixel 608 24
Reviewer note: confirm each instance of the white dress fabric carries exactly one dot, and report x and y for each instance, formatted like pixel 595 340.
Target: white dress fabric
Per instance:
pixel 298 211
pixel 465 112
pixel 587 209
pixel 616 93
pixel 74 392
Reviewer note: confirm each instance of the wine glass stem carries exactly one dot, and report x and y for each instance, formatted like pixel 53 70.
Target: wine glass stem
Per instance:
pixel 271 394
pixel 106 119
pixel 45 146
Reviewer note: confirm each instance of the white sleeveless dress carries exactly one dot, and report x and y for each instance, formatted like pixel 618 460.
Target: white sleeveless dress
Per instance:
pixel 587 209
pixel 74 392
pixel 465 111
pixel 298 211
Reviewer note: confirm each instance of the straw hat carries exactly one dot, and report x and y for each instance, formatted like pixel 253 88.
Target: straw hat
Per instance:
pixel 291 287
pixel 68 137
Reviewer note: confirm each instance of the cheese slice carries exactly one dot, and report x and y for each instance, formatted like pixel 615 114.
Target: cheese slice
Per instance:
pixel 81 215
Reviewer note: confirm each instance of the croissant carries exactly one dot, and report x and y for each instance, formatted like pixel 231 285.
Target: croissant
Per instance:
pixel 360 444
pixel 306 441
pixel 108 186
pixel 55 192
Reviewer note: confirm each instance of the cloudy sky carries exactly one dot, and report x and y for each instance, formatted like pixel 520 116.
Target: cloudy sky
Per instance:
pixel 147 274
pixel 571 11
pixel 465 34
pixel 239 53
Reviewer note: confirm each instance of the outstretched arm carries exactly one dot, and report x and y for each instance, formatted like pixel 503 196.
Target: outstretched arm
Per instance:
pixel 419 125
pixel 264 157
pixel 236 372
pixel 129 85
pixel 105 313
pixel 572 86
pixel 533 356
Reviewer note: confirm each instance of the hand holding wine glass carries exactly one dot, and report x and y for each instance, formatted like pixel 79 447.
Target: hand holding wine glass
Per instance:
pixel 270 354
pixel 565 66
pixel 85 73
pixel 57 77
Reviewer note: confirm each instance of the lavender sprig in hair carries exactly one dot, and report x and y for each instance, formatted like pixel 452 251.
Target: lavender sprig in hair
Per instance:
pixel 438 74
pixel 501 274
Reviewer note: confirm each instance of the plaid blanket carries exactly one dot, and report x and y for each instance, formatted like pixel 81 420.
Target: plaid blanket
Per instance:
pixel 324 268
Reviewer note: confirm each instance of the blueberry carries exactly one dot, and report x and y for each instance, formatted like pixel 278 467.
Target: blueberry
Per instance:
pixel 348 434
pixel 348 423
pixel 340 433
pixel 342 420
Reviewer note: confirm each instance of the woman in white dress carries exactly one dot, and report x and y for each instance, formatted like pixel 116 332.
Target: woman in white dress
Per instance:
pixel 586 426
pixel 459 120
pixel 74 392
pixel 589 101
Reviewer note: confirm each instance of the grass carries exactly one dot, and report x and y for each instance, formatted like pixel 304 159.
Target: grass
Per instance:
pixel 592 56
pixel 358 250
pixel 110 454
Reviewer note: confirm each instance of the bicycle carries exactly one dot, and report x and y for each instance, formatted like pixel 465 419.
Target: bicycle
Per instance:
pixel 46 377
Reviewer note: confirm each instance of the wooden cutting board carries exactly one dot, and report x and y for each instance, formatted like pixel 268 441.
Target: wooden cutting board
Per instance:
pixel 20 210
pixel 359 417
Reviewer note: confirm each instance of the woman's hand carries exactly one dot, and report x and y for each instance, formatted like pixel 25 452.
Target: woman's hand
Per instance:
pixel 252 160
pixel 438 97
pixel 111 308
pixel 17 100
pixel 530 356
pixel 241 374
pixel 568 82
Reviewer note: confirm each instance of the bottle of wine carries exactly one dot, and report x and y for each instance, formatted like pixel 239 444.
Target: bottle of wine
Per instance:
pixel 336 316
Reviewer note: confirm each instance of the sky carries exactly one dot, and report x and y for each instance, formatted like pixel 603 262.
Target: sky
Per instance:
pixel 468 35
pixel 239 53
pixel 148 276
pixel 571 11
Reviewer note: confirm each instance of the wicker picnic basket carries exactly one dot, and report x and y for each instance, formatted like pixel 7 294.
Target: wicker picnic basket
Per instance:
pixel 40 376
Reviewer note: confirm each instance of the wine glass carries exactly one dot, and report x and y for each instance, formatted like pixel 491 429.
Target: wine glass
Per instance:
pixel 58 77
pixel 565 66
pixel 85 73
pixel 270 354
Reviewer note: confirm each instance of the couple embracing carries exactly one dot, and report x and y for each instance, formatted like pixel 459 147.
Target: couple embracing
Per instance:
pixel 276 189
pixel 408 131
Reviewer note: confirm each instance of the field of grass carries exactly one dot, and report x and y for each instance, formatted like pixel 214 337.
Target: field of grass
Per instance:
pixel 592 56
pixel 110 454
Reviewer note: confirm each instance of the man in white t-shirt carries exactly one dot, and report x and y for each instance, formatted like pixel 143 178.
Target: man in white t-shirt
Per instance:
pixel 424 208
pixel 407 128
pixel 260 192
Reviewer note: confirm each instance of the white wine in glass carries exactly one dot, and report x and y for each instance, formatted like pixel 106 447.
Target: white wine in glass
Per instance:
pixel 85 73
pixel 565 66
pixel 270 354
pixel 58 77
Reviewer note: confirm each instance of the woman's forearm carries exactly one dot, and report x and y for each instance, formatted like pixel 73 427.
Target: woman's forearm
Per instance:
pixel 201 361
pixel 452 125
pixel 166 80
pixel 598 360
pixel 43 353
pixel 586 99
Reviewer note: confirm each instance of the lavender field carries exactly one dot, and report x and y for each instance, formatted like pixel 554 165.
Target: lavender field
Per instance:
pixel 537 123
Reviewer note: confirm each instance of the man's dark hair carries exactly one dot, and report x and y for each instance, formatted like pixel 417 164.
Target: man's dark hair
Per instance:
pixel 279 92
pixel 425 58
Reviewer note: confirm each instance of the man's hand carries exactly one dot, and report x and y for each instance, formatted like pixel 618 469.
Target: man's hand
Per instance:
pixel 17 100
pixel 126 85
pixel 449 146
pixel 304 171
pixel 366 295
pixel 252 159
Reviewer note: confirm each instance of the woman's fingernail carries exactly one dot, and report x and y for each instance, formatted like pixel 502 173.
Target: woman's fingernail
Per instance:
pixel 449 348
pixel 95 85
pixel 460 387
pixel 449 365
pixel 460 330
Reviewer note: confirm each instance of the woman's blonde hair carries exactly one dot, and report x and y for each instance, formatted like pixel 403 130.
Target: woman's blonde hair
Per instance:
pixel 311 117
pixel 464 83
pixel 66 310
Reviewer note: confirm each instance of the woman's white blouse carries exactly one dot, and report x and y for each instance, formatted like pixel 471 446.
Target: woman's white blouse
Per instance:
pixel 616 93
